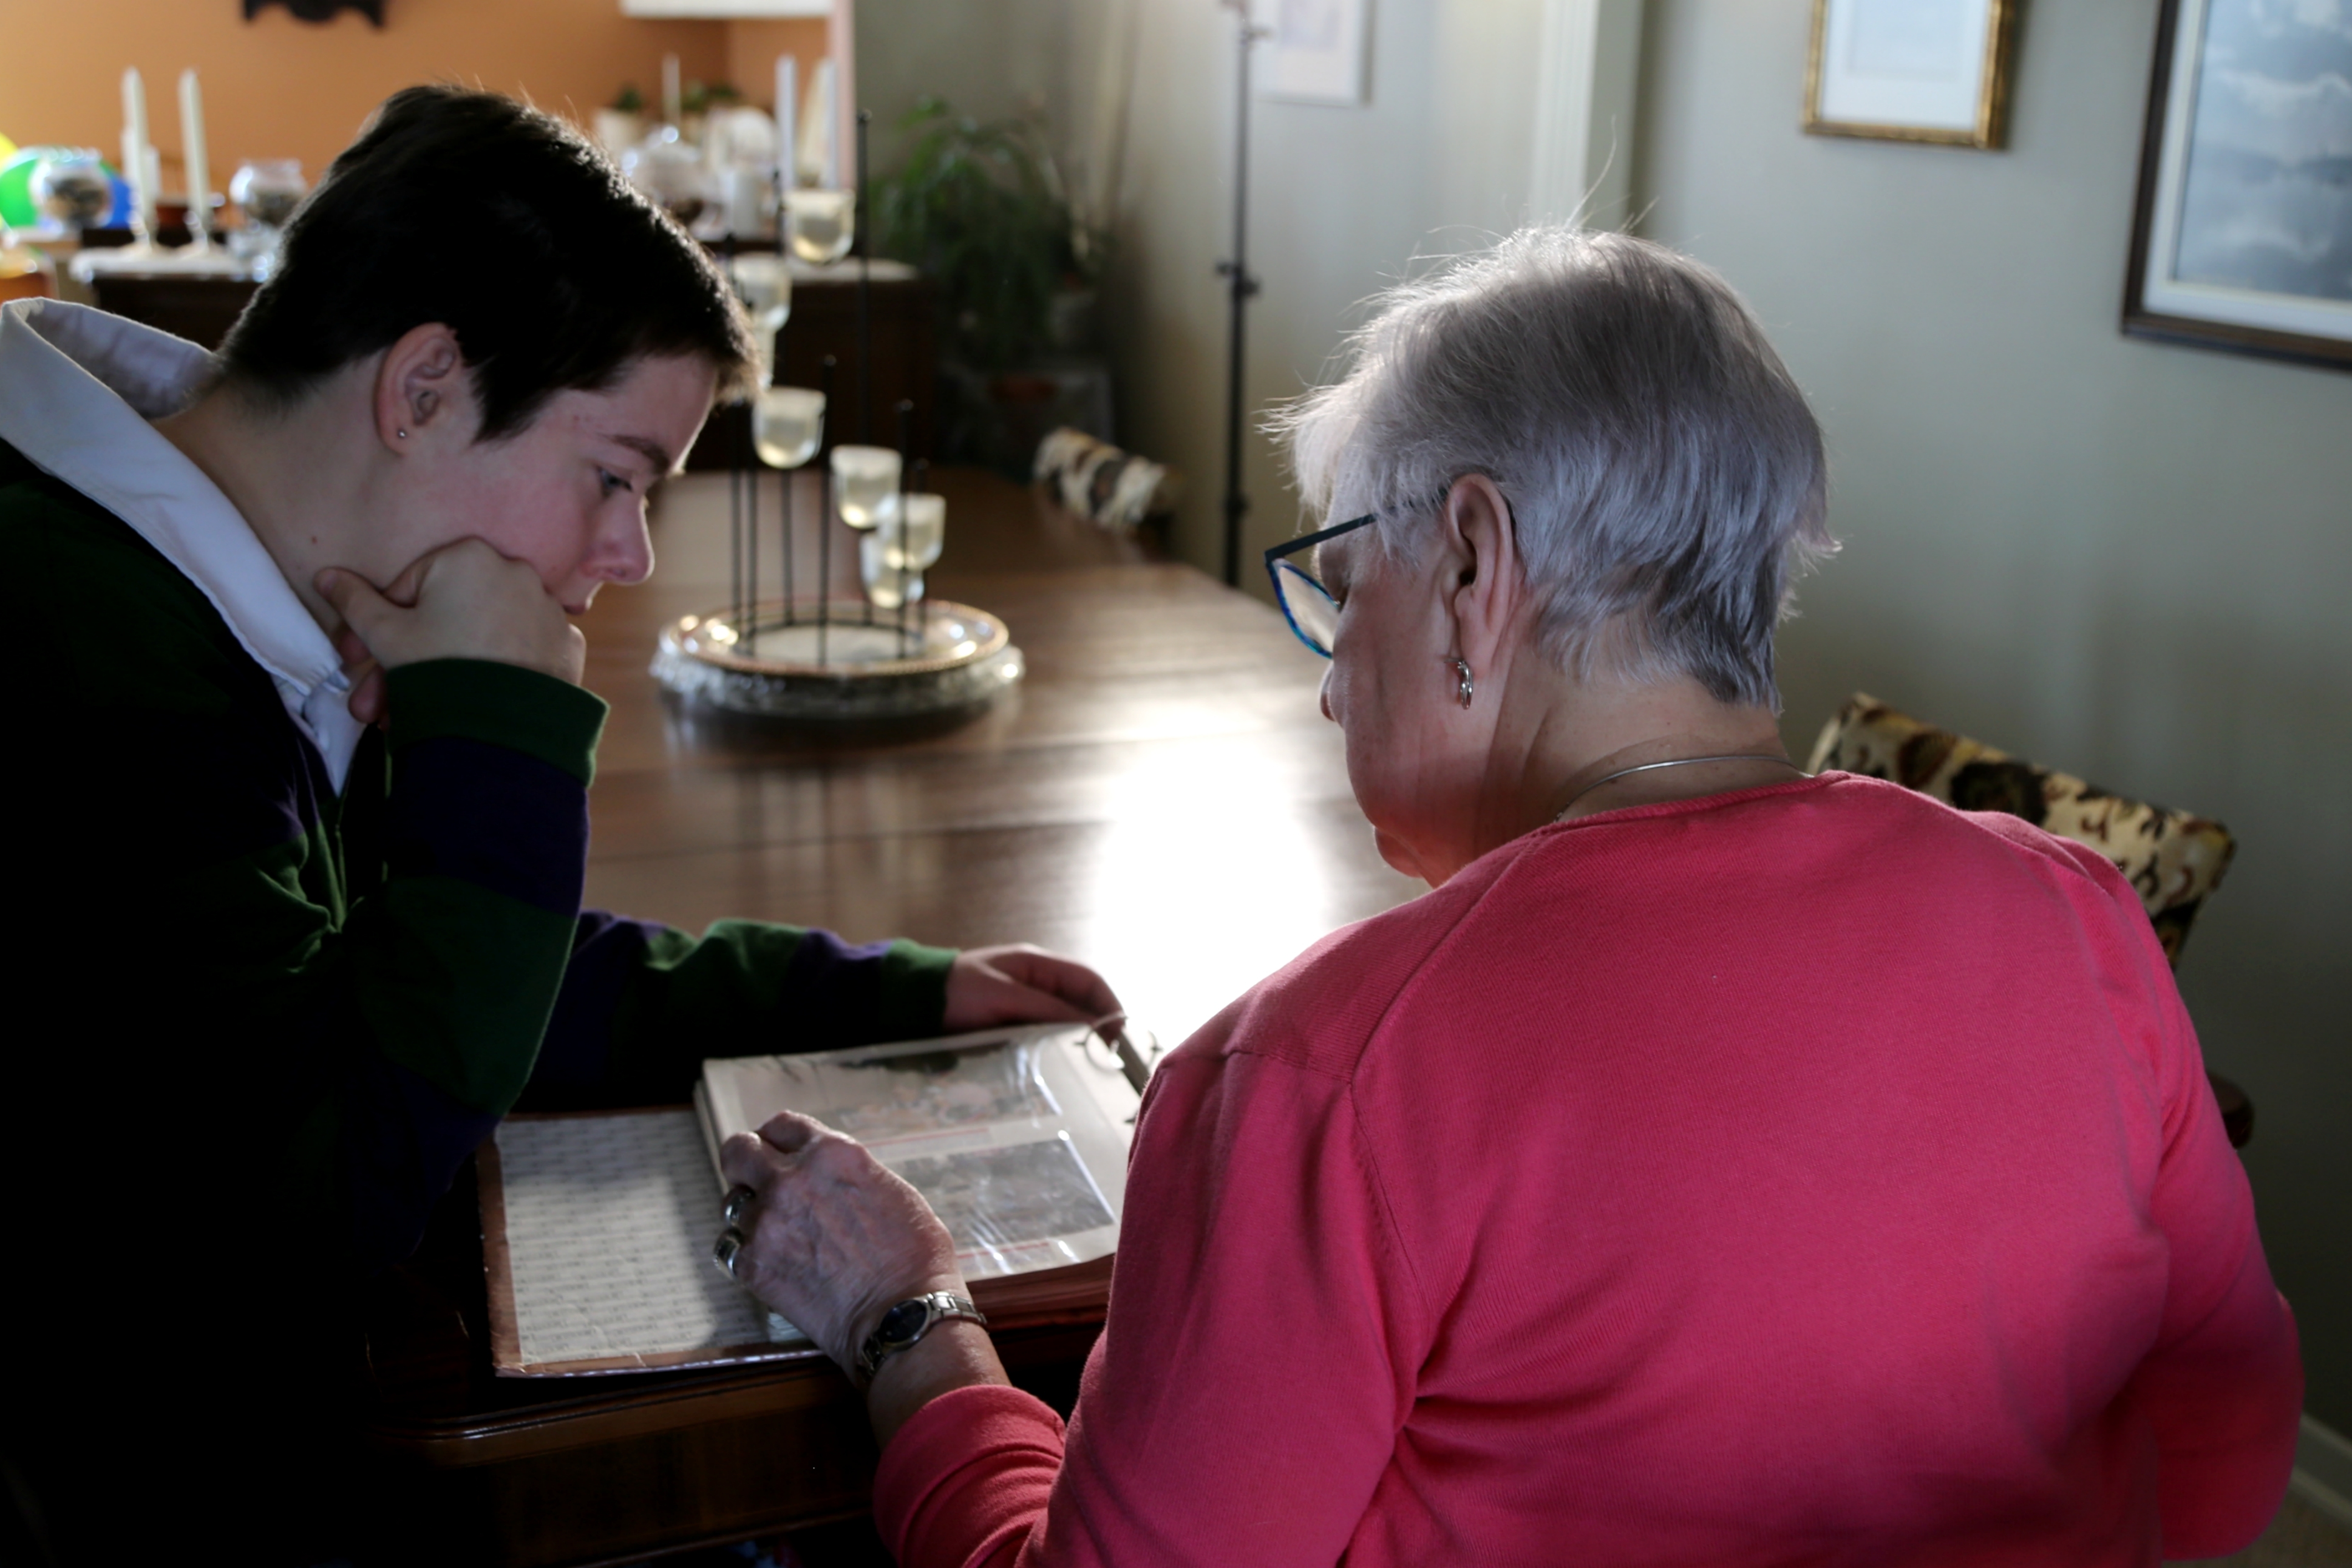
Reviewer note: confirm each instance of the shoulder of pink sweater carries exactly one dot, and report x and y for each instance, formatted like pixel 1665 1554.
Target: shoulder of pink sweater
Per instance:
pixel 2062 861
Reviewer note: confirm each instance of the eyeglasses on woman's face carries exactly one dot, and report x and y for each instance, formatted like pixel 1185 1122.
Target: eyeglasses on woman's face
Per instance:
pixel 1306 604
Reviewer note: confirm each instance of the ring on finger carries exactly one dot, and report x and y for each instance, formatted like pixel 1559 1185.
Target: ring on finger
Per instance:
pixel 739 1198
pixel 725 1250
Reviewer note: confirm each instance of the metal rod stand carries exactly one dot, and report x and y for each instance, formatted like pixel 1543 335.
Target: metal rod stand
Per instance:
pixel 1240 287
pixel 864 218
pixel 906 411
pixel 824 528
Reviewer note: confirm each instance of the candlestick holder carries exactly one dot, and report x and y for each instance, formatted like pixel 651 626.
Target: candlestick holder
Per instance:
pixel 811 657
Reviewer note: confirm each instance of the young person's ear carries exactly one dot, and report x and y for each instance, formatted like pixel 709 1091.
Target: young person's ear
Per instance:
pixel 422 390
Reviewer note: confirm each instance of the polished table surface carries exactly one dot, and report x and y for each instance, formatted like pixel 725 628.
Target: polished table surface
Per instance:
pixel 1160 797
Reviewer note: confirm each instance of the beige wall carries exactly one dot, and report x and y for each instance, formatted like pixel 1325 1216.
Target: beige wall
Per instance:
pixel 1342 201
pixel 278 86
pixel 2129 560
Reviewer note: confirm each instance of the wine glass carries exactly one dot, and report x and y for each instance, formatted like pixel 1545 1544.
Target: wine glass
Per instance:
pixel 888 584
pixel 267 190
pixel 821 224
pixel 865 484
pixel 765 282
pixel 70 187
pixel 787 425
pixel 921 533
pixel 894 557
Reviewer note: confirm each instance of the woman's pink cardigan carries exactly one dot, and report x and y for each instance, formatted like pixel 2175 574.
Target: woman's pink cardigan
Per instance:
pixel 1810 1175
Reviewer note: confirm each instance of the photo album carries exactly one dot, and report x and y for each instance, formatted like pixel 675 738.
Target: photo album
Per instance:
pixel 597 1226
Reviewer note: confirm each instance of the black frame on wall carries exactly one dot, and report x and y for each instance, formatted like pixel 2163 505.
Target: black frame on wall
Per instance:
pixel 2140 318
pixel 319 10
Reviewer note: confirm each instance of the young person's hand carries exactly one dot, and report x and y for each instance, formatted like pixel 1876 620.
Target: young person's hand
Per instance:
pixel 1023 984
pixel 464 600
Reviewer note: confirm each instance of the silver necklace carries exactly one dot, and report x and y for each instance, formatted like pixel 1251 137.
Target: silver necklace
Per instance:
pixel 1677 762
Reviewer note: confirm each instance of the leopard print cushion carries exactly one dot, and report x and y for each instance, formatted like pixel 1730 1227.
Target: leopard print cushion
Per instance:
pixel 2172 858
pixel 1099 481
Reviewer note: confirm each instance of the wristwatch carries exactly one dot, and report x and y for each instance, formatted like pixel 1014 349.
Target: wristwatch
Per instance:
pixel 903 1326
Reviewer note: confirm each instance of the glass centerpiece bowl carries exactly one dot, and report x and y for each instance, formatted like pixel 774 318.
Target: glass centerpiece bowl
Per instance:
pixel 834 662
pixel 822 224
pixel 948 658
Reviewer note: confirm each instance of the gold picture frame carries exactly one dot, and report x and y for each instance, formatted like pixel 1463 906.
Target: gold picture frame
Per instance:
pixel 1943 73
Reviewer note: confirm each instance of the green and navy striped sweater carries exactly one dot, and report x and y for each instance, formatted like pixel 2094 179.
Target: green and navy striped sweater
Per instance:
pixel 309 1009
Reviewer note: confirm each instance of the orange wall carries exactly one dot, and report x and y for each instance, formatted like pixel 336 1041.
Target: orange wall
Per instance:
pixel 275 87
pixel 752 48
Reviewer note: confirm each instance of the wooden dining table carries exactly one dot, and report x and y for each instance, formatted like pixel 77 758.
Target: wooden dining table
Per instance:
pixel 1160 797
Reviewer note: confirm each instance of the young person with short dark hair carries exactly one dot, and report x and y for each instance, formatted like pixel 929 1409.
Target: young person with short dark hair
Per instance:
pixel 304 798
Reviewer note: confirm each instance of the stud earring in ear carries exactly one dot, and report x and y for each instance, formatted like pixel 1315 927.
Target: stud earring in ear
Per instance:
pixel 403 435
pixel 1461 672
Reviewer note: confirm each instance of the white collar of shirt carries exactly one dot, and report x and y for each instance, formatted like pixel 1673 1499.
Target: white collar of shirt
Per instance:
pixel 76 389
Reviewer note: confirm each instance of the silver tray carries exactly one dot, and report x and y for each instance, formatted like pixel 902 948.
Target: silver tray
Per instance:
pixel 953 657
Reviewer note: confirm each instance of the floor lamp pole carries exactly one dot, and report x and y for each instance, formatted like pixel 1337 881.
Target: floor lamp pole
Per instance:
pixel 1240 286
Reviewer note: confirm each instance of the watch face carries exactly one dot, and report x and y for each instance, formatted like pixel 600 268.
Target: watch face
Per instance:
pixel 903 1321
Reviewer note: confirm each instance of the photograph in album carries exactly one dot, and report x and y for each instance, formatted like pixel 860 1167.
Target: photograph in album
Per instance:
pixel 597 1226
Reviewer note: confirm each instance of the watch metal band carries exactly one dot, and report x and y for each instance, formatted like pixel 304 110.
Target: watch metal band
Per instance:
pixel 905 1324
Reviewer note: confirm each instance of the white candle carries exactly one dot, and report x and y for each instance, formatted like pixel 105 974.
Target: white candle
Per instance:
pixel 134 154
pixel 192 152
pixel 821 118
pixel 788 85
pixel 673 97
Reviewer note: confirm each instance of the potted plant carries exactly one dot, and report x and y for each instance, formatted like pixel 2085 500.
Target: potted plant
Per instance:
pixel 979 207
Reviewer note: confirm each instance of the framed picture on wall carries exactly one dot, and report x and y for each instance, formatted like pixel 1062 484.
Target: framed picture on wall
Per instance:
pixel 1314 51
pixel 1912 70
pixel 2242 239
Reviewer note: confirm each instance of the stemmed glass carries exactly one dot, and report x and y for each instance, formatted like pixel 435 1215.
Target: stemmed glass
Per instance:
pixel 765 282
pixel 865 485
pixel 787 425
pixel 821 224
pixel 266 190
pixel 893 557
pixel 787 428
pixel 866 492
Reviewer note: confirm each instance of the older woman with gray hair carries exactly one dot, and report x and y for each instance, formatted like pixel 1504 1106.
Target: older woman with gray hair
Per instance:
pixel 1718 1164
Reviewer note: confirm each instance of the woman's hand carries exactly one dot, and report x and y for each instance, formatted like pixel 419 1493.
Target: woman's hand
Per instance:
pixel 1023 984
pixel 834 1239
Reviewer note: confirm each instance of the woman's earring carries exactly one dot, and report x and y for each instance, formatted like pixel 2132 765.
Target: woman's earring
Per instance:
pixel 1462 670
pixel 403 435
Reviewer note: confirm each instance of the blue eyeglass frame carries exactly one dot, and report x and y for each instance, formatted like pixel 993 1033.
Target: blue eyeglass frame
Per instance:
pixel 1276 566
